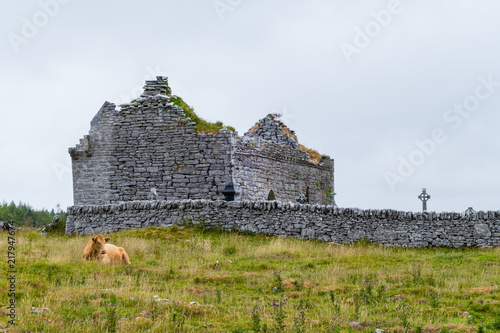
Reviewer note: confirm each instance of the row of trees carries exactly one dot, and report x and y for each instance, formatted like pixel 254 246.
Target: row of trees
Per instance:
pixel 23 215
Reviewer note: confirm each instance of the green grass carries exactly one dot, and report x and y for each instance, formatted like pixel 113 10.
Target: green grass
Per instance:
pixel 201 124
pixel 260 283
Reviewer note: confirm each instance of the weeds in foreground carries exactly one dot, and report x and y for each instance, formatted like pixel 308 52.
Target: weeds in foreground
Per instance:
pixel 335 304
pixel 279 314
pixel 177 319
pixel 496 324
pixel 278 283
pixel 256 319
pixel 433 299
pixel 299 322
pixel 111 316
pixel 333 326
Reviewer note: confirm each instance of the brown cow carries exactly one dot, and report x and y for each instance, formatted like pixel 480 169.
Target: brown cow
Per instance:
pixel 97 249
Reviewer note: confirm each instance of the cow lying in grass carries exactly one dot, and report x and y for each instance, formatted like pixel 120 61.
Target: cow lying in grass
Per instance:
pixel 98 249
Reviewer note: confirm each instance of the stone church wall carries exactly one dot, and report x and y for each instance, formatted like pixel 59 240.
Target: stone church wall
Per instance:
pixel 263 166
pixel 151 144
pixel 144 145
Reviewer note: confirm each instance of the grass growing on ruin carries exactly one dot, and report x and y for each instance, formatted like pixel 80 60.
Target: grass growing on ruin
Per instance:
pixel 229 282
pixel 201 124
pixel 315 157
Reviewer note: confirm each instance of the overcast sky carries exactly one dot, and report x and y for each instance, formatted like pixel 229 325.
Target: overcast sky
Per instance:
pixel 402 94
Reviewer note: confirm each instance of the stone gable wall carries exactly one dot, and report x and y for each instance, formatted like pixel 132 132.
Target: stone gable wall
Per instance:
pixel 91 161
pixel 271 129
pixel 324 223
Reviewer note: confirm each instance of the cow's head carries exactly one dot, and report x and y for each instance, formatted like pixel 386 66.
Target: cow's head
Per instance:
pixel 98 244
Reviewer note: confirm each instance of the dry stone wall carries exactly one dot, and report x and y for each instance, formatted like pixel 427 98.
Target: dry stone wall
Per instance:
pixel 324 223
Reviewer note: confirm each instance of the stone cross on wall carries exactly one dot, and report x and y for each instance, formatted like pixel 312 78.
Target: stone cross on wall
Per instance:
pixel 470 211
pixel 424 197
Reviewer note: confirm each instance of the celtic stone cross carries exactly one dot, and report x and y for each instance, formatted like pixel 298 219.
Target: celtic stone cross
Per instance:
pixel 424 197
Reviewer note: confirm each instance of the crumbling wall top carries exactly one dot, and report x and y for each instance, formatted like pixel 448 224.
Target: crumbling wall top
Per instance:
pixel 270 128
pixel 157 87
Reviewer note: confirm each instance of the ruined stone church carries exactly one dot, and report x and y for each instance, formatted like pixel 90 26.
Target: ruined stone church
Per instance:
pixel 157 148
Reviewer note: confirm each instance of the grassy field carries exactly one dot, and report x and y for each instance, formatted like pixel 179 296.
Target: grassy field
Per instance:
pixel 190 280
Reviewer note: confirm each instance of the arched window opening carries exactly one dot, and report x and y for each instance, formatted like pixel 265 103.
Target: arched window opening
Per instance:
pixel 271 196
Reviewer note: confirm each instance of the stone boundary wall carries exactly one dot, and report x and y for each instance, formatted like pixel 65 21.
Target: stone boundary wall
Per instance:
pixel 324 223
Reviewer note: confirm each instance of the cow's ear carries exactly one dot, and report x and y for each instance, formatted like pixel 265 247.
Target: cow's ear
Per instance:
pixel 107 239
pixel 93 239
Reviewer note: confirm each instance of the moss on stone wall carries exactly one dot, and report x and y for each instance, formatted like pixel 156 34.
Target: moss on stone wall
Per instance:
pixel 202 126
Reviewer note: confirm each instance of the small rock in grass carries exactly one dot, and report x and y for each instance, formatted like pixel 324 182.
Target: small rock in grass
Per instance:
pixel 395 298
pixel 216 265
pixel 356 325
